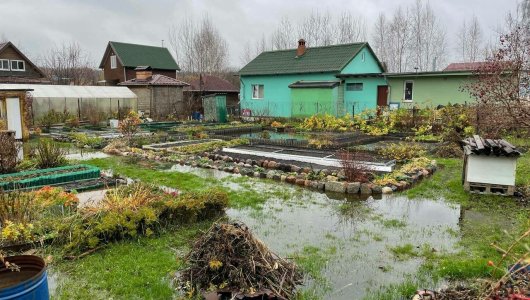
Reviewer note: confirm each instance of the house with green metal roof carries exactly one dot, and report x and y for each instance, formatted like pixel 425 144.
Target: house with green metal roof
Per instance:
pixel 121 59
pixel 305 81
pixel 430 89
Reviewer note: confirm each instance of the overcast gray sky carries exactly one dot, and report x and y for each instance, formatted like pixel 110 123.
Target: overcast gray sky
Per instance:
pixel 36 25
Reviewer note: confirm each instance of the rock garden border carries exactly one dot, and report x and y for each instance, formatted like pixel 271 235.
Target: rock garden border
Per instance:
pixel 321 180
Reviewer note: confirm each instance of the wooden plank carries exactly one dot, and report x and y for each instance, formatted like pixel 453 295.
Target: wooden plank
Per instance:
pixel 478 141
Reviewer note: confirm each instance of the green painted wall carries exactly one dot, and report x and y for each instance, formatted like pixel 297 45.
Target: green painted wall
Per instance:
pixel 277 94
pixel 358 66
pixel 430 90
pixel 313 101
pixel 365 99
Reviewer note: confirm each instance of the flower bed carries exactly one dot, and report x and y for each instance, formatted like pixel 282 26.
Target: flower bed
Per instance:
pixel 51 176
pixel 51 214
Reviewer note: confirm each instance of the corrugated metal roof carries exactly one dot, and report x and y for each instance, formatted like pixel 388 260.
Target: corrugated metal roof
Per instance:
pixel 316 59
pixel 73 91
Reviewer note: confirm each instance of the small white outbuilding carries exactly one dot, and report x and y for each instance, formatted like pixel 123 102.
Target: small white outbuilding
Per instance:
pixel 489 166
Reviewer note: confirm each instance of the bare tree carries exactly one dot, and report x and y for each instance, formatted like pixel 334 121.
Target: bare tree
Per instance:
pixel 380 38
pixel 284 35
pixel 199 48
pixel 349 29
pixel 317 29
pixel 470 42
pixel 399 34
pixel 69 64
pixel 525 12
pixel 427 47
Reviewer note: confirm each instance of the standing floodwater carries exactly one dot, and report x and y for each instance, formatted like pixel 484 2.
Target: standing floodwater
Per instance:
pixel 352 248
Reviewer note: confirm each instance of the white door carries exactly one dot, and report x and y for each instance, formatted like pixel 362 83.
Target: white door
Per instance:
pixel 14 118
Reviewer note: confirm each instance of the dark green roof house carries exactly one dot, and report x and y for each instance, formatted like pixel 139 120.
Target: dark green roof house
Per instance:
pixel 120 60
pixel 301 82
pixel 436 88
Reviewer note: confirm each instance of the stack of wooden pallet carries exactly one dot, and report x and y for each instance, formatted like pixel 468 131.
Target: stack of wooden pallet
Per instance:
pixel 479 146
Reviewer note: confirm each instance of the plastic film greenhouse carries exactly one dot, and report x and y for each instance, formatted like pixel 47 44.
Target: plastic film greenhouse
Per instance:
pixel 79 100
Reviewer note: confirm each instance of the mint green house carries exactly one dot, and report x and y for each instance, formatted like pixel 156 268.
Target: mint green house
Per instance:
pixel 302 82
pixel 429 89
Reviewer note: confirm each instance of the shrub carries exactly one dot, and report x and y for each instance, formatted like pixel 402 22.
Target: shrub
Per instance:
pixel 49 154
pixel 83 139
pixel 94 115
pixel 320 141
pixel 276 124
pixel 415 165
pixel 73 122
pixel 9 149
pixel 138 209
pixel 265 135
pixel 50 118
pixel 130 125
pixel 28 216
pixel 116 147
pixel 402 151
pixel 354 171
pixel 327 123
pixel 3 125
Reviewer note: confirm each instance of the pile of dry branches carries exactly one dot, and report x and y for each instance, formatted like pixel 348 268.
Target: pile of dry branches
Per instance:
pixel 228 259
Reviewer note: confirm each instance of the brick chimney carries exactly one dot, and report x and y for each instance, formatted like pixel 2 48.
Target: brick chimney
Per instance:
pixel 301 48
pixel 143 72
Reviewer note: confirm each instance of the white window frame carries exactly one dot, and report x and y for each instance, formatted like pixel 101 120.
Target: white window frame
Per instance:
pixel 263 91
pixel 8 65
pixel 363 56
pixel 113 62
pixel 17 69
pixel 405 90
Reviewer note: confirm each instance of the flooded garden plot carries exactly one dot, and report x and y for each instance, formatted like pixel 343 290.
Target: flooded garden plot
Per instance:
pixel 351 247
pixel 348 248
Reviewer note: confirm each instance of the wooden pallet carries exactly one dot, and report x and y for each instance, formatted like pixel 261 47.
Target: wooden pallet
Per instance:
pixel 487 188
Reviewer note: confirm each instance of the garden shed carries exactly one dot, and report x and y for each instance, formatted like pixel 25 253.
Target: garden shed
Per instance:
pixel 215 108
pixel 14 112
pixel 489 165
pixel 77 100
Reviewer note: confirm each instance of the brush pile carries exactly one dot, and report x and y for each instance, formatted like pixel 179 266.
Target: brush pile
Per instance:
pixel 229 261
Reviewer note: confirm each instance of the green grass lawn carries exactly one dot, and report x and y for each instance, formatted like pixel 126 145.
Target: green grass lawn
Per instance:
pixel 134 269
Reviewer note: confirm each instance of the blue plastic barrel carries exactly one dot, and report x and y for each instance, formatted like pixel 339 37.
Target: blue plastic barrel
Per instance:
pixel 31 283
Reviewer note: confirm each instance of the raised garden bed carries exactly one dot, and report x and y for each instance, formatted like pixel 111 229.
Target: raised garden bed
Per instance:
pixel 51 176
pixel 169 145
pixel 302 139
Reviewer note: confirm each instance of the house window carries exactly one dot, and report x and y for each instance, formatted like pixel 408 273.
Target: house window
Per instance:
pixel 408 90
pixel 356 86
pixel 4 64
pixel 18 65
pixel 257 91
pixel 113 61
pixel 362 56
